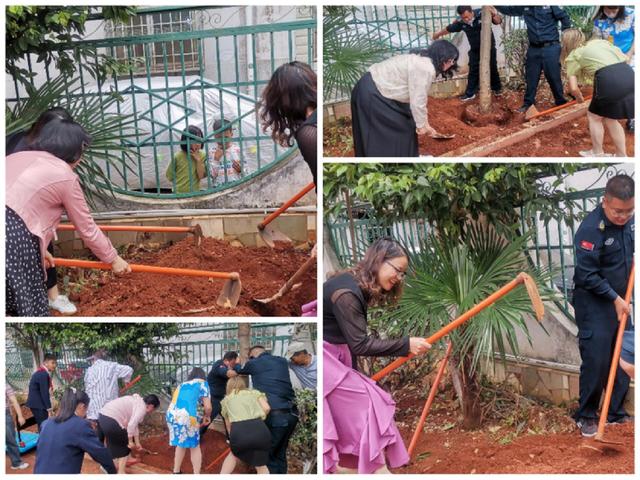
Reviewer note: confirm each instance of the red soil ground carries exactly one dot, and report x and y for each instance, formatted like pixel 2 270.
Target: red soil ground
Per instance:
pixel 262 270
pixel 547 443
pixel 448 116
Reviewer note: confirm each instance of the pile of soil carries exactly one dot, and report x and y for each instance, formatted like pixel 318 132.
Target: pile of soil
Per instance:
pixel 545 441
pixel 450 116
pixel 262 270
pixel 212 445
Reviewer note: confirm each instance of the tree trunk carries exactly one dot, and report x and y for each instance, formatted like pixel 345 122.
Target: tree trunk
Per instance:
pixel 485 61
pixel 352 228
pixel 244 338
pixel 468 391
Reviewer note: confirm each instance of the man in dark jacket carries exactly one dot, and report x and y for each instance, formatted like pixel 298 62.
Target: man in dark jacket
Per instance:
pixel 604 255
pixel 221 371
pixel 40 389
pixel 270 375
pixel 544 48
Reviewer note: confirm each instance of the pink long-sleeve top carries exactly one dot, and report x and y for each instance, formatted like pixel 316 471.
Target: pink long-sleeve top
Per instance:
pixel 40 187
pixel 128 411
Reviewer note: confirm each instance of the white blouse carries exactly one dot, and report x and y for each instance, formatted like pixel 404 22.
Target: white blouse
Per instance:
pixel 406 79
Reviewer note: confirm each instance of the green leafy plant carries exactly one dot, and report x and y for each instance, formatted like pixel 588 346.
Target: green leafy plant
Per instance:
pixel 109 131
pixel 304 440
pixel 447 278
pixel 49 32
pixel 347 52
pixel 515 45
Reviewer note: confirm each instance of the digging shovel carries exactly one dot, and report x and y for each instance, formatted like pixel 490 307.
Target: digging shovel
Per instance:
pixel 522 278
pixel 269 234
pixel 614 364
pixel 443 136
pixel 290 283
pixel 196 230
pixel 229 296
pixel 130 384
pixel 532 112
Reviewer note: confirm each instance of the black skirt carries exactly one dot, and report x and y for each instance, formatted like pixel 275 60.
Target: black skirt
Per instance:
pixel 25 283
pixel 381 127
pixel 250 441
pixel 613 92
pixel 116 436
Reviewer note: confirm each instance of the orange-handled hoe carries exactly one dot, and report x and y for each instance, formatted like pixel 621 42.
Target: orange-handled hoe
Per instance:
pixel 229 296
pixel 614 363
pixel 522 278
pixel 269 234
pixel 196 230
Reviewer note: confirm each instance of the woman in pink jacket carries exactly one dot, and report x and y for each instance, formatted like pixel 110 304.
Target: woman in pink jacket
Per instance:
pixel 41 185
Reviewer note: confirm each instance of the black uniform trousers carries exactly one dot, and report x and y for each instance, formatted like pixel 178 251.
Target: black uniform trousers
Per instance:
pixel 597 327
pixel 473 78
pixel 281 424
pixel 545 59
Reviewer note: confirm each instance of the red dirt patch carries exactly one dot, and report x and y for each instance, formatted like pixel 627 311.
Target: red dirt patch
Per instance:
pixel 447 116
pixel 547 443
pixel 262 272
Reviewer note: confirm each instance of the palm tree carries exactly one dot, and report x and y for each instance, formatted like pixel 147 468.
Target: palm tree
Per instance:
pixel 347 53
pixel 449 276
pixel 109 131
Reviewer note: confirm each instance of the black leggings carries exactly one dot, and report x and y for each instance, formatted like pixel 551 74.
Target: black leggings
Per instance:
pixel 52 273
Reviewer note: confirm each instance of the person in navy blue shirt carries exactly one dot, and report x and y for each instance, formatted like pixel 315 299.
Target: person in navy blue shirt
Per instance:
pixel 470 23
pixel 544 48
pixel 270 375
pixel 40 388
pixel 604 255
pixel 65 438
pixel 217 379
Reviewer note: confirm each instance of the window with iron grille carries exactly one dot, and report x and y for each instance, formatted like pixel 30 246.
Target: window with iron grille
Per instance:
pixel 172 57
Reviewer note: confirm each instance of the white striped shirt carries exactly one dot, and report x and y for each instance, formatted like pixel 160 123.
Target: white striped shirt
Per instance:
pixel 101 384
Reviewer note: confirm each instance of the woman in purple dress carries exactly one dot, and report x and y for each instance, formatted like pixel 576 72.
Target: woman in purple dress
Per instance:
pixel 360 434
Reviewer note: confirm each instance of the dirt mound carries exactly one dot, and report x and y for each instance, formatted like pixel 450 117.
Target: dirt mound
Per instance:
pixel 262 272
pixel 212 445
pixel 525 438
pixel 499 115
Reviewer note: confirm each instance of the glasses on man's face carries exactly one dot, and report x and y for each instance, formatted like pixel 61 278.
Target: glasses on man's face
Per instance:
pixel 399 273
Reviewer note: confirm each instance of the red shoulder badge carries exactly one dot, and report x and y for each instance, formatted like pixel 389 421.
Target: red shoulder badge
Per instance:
pixel 585 245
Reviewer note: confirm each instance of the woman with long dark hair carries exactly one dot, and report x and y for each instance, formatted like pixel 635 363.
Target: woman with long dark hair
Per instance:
pixel 288 109
pixel 360 435
pixel 20 142
pixel 65 438
pixel 40 186
pixel 389 103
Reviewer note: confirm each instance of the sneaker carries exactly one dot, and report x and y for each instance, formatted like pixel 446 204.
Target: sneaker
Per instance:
pixel 620 420
pixel 63 305
pixel 588 427
pixel 523 108
pixel 589 153
pixel 466 98
pixel 22 466
pixel 497 93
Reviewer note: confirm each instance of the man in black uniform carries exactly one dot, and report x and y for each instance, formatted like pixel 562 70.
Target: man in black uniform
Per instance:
pixel 471 24
pixel 217 379
pixel 604 254
pixel 270 375
pixel 544 48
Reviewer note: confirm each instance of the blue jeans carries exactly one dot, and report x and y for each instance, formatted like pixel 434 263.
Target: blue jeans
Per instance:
pixel 12 446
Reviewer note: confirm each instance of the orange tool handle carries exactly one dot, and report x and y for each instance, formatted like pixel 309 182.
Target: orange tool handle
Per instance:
pixel 430 398
pixel 130 384
pixel 269 218
pixel 64 262
pixel 130 228
pixel 218 458
pixel 453 325
pixel 616 358
pixel 559 107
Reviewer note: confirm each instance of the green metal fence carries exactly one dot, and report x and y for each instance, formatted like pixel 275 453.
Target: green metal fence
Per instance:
pixel 551 245
pixel 184 73
pixel 169 363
